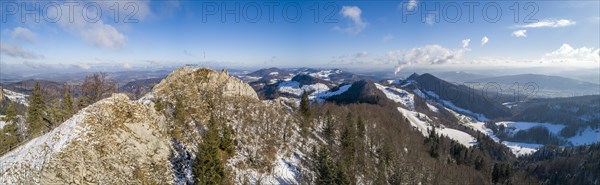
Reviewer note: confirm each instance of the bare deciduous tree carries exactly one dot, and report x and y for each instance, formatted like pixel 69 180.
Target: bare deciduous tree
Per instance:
pixel 98 86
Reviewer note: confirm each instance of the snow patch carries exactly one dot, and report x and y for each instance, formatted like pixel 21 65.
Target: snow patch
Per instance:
pixel 293 87
pixel 398 95
pixel 16 97
pixel 585 137
pixel 520 149
pixel 36 152
pixel 321 96
pixel 432 108
pixel 2 122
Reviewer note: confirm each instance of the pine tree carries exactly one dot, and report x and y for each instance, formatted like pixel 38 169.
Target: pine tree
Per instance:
pixel 179 115
pixel 348 146
pixel 36 112
pixel 305 105
pixel 328 171
pixel 68 104
pixel 306 113
pixel 495 173
pixel 325 167
pixel 208 168
pixel 328 129
pixel 227 143
pixel 55 113
pixel 8 137
pixel 11 113
pixel 360 142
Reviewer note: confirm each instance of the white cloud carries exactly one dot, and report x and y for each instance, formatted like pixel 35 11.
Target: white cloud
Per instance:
pixel 82 66
pixel 387 38
pixel 484 40
pixel 36 65
pixel 350 59
pixel 430 54
pixel 103 35
pixel 361 54
pixel 127 66
pixel 354 14
pixel 550 23
pixel 519 33
pixel 465 43
pixel 97 32
pixel 23 34
pixel 412 4
pixel 18 52
pixel 567 53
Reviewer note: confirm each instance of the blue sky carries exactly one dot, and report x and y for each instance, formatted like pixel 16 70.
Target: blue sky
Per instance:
pixel 352 34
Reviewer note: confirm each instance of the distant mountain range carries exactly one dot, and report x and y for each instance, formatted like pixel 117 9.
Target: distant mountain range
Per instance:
pixel 533 85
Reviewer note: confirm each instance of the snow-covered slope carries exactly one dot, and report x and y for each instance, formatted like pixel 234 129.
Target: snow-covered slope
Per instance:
pixel 40 150
pixel 293 87
pixel 398 95
pixel 322 95
pixel 16 97
pixel 422 123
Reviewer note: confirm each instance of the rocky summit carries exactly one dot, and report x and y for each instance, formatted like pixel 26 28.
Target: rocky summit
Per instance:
pixel 122 141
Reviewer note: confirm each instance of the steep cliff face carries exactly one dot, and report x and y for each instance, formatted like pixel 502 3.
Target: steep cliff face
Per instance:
pixel 200 92
pixel 114 141
pixel 198 83
pixel 1 95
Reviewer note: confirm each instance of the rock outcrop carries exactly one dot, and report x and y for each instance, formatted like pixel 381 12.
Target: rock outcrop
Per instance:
pixel 112 141
pixel 198 83
pixel 1 95
pixel 120 141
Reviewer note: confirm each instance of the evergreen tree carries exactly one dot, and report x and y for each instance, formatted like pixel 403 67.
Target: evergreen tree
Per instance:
pixel 208 168
pixel 36 112
pixel 434 143
pixel 325 167
pixel 328 129
pixel 360 142
pixel 227 143
pixel 495 173
pixel 55 113
pixel 305 105
pixel 9 137
pixel 306 113
pixel 328 171
pixel 68 104
pixel 348 147
pixel 179 115
pixel 11 113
